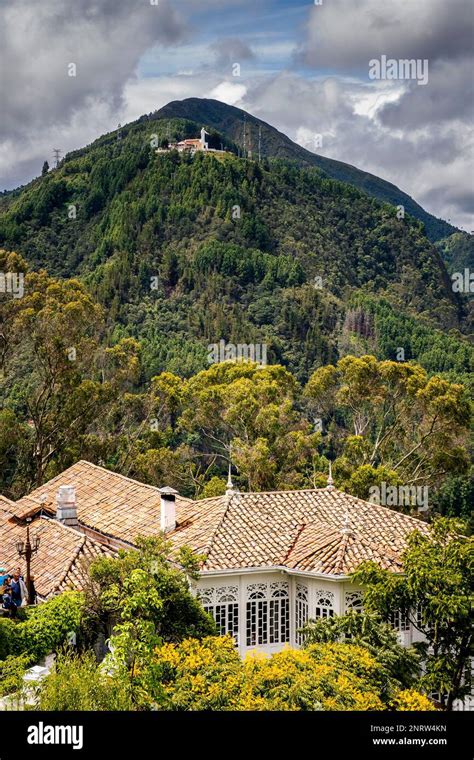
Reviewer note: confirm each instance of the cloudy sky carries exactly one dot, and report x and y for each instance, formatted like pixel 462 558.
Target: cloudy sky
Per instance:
pixel 304 68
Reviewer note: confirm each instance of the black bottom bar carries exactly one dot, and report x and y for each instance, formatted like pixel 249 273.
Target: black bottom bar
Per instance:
pixel 137 735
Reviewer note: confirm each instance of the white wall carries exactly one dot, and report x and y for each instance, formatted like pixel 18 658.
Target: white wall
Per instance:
pixel 340 595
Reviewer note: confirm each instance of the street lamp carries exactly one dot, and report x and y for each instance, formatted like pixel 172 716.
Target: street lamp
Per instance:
pixel 27 550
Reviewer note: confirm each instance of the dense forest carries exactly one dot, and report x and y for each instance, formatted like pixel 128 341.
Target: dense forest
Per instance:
pixel 135 263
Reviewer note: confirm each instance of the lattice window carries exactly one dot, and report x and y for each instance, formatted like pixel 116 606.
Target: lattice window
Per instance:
pixel 279 616
pixel 206 596
pixel 324 604
pixel 353 601
pixel 268 613
pixel 399 620
pixel 222 604
pixel 301 611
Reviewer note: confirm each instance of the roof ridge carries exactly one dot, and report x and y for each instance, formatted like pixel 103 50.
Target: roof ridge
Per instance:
pixel 384 508
pixel 332 538
pixel 70 563
pixel 110 472
pixel 76 532
pixel 339 559
pixel 227 502
pixel 333 492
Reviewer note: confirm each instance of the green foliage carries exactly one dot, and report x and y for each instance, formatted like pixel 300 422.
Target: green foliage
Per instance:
pixel 77 683
pixel 383 328
pixel 43 630
pixel 47 625
pixel 438 581
pixel 149 602
pixel 456 497
pixel 12 670
pixel 368 630
pixel 457 251
pixel 397 423
pixel 210 675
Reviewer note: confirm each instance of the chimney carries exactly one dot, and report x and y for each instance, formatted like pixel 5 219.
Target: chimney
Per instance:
pixel 66 511
pixel 167 509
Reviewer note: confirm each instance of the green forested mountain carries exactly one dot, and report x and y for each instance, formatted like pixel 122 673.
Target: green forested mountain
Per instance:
pixel 457 251
pixel 233 122
pixel 171 253
pixel 186 251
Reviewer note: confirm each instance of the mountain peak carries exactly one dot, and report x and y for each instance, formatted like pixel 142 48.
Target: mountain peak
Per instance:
pixel 230 121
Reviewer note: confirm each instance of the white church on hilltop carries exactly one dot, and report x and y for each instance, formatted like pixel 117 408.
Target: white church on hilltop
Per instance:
pixel 191 146
pixel 272 560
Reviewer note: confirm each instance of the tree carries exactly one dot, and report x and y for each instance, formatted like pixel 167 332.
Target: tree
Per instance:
pixel 398 416
pixel 252 410
pixel 435 592
pixel 149 602
pixel 368 630
pixel 209 675
pixel 56 374
pixel 45 169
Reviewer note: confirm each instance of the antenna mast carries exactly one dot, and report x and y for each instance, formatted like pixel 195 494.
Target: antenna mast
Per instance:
pixel 57 153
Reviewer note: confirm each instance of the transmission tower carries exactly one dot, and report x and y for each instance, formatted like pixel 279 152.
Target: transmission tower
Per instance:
pixel 57 153
pixel 259 143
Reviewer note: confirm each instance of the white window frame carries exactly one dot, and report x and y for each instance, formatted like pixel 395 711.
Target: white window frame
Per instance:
pixel 399 621
pixel 222 603
pixel 353 601
pixel 267 614
pixel 324 604
pixel 301 610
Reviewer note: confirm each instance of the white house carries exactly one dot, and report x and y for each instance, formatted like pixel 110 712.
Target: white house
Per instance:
pixel 276 559
pixel 273 560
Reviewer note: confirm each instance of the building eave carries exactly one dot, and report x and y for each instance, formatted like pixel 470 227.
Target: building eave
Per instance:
pixel 273 569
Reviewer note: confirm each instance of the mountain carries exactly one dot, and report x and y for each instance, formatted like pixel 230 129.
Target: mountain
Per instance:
pixel 231 121
pixel 184 252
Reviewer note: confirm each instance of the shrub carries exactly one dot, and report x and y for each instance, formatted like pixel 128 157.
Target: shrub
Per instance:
pixel 410 700
pixel 78 684
pixel 209 675
pixel 43 628
pixel 47 625
pixel 12 670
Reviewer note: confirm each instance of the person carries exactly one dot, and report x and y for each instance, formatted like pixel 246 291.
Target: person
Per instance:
pixel 19 592
pixel 3 576
pixel 7 601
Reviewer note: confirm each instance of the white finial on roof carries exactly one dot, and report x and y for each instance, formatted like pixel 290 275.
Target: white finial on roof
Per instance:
pixel 230 485
pixel 330 485
pixel 346 525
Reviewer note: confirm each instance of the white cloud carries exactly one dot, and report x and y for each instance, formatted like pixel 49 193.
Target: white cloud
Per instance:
pixel 229 93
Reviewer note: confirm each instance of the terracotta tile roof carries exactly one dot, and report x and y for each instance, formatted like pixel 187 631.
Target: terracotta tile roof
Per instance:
pixel 6 505
pixel 62 557
pixel 107 502
pixel 323 531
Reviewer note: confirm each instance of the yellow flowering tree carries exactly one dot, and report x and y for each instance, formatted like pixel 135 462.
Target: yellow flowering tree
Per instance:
pixel 210 675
